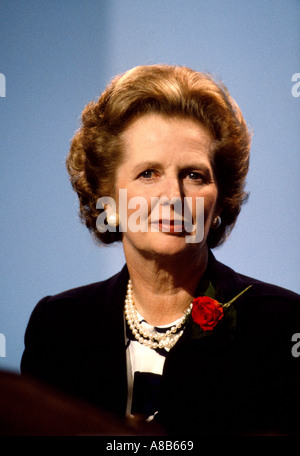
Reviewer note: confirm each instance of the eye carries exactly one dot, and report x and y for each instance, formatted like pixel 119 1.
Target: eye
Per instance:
pixel 148 174
pixel 195 176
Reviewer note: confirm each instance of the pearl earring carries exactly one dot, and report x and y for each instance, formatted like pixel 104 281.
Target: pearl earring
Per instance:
pixel 112 219
pixel 216 222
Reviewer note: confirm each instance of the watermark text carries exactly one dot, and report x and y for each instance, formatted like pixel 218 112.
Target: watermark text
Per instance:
pixel 157 214
pixel 296 87
pixel 2 85
pixel 296 346
pixel 2 346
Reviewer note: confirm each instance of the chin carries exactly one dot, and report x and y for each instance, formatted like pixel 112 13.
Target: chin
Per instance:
pixel 166 245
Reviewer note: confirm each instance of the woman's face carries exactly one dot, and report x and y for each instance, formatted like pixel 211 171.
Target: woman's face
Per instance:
pixel 166 159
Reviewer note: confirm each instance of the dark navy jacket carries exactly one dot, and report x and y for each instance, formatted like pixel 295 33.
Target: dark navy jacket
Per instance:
pixel 241 381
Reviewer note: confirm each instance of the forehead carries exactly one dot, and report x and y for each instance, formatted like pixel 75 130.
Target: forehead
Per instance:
pixel 154 135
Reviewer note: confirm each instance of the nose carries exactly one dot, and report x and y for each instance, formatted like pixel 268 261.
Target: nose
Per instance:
pixel 173 188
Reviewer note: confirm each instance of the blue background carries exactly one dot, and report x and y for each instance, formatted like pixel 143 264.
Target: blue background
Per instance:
pixel 58 55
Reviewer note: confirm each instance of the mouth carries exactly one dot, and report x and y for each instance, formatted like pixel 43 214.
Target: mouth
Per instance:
pixel 169 226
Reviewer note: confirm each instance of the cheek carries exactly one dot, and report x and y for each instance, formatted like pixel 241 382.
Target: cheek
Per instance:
pixel 134 210
pixel 210 196
pixel 209 205
pixel 138 200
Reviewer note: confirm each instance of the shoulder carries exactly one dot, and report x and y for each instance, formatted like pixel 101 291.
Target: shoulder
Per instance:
pixel 264 306
pixel 89 291
pixel 270 308
pixel 263 290
pixel 234 282
pixel 72 324
pixel 268 295
pixel 80 303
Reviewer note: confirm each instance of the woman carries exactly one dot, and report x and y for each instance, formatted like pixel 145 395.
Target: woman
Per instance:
pixel 159 163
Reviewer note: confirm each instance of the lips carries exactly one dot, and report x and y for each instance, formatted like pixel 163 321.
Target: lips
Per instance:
pixel 169 226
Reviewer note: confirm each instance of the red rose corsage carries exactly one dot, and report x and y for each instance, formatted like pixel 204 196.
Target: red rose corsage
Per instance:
pixel 207 312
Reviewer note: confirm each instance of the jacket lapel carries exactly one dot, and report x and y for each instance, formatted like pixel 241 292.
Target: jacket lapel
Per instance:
pixel 109 344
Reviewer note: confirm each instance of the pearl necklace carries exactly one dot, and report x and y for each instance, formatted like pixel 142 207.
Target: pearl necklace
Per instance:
pixel 152 339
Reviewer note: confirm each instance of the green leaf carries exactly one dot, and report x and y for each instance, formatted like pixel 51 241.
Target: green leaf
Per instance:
pixel 210 291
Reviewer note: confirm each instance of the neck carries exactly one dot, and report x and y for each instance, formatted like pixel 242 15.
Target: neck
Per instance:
pixel 163 287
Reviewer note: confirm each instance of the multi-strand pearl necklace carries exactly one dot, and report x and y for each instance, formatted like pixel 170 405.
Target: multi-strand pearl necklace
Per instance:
pixel 152 339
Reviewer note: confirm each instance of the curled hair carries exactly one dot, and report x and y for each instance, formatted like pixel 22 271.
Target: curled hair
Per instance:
pixel 96 149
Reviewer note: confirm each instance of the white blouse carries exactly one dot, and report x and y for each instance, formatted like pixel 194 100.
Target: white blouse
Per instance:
pixel 144 370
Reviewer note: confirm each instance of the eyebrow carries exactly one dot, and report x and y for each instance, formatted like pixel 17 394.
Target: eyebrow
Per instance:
pixel 157 165
pixel 147 165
